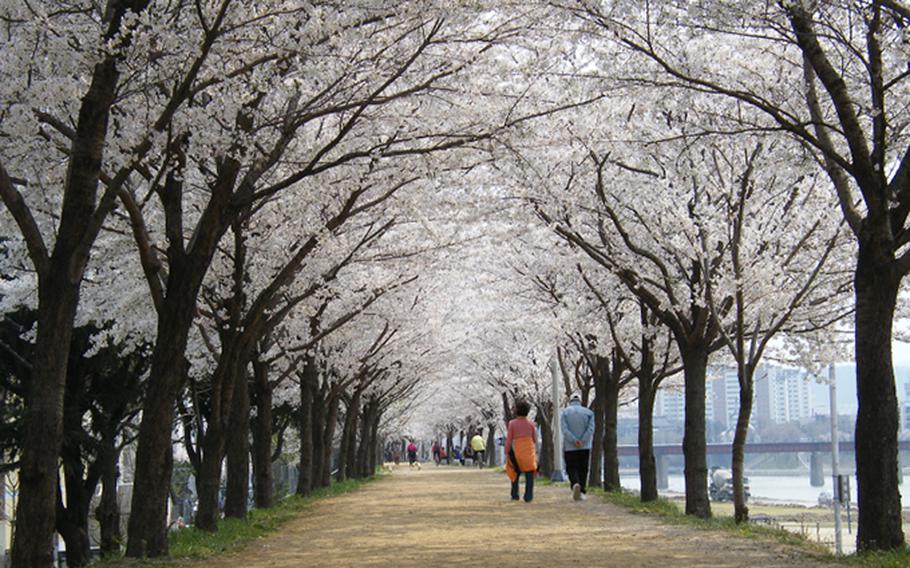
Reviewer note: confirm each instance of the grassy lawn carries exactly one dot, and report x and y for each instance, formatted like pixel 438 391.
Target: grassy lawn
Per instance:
pixel 191 544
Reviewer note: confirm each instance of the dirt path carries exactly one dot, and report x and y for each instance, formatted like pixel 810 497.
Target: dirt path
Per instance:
pixel 452 516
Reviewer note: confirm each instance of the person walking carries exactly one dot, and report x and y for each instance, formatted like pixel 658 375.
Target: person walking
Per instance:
pixel 521 450
pixel 479 447
pixel 577 425
pixel 436 452
pixel 412 455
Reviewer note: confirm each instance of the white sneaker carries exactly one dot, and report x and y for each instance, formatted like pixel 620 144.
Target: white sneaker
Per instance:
pixel 584 497
pixel 576 492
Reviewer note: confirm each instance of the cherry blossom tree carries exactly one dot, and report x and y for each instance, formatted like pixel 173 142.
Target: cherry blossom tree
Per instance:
pixel 273 139
pixel 833 77
pixel 659 263
pixel 64 130
pixel 786 266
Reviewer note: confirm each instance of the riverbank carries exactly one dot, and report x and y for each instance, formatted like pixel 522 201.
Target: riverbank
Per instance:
pixel 779 490
pixel 814 523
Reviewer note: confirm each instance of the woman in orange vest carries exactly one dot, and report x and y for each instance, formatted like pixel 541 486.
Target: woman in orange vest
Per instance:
pixel 521 450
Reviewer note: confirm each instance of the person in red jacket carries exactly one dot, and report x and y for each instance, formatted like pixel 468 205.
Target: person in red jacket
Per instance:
pixel 437 457
pixel 412 455
pixel 521 450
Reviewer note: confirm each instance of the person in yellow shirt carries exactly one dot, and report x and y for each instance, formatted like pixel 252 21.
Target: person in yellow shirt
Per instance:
pixel 480 448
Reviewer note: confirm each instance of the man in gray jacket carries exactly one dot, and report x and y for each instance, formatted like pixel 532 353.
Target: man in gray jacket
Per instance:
pixel 577 425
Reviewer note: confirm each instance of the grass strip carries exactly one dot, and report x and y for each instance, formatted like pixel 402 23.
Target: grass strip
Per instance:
pixel 190 544
pixel 670 512
pixel 894 559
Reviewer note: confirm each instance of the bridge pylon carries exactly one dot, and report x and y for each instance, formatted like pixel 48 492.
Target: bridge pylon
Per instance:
pixel 816 470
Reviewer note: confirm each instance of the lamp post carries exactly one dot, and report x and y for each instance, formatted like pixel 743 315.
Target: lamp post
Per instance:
pixel 557 474
pixel 835 465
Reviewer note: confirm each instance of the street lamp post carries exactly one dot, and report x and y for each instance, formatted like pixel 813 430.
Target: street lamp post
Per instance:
pixel 835 465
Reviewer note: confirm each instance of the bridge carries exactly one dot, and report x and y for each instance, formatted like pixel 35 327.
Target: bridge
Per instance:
pixel 816 449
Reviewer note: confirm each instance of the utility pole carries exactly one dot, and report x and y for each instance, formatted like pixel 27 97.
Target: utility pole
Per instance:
pixel 835 459
pixel 557 474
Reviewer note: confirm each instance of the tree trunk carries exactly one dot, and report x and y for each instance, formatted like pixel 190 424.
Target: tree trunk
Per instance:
pixel 108 512
pixel 595 478
pixel 375 444
pixel 349 457
pixel 878 494
pixel 318 431
pixel 695 363
pixel 43 424
pixel 72 519
pixel 208 479
pixel 506 409
pixel 348 434
pixel 491 445
pixel 147 528
pixel 362 458
pixel 647 465
pixel 60 275
pixel 238 450
pixel 262 437
pixel 547 462
pixel 610 449
pixel 228 374
pixel 72 527
pixel 740 510
pixel 305 426
pixel 331 423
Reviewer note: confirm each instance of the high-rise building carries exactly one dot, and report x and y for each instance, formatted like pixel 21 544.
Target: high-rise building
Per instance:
pixel 723 392
pixel 670 404
pixel 782 395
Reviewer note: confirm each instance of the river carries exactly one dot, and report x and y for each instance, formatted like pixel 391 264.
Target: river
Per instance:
pixel 778 488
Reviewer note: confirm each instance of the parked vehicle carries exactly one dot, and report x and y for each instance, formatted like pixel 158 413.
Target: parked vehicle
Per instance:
pixel 721 487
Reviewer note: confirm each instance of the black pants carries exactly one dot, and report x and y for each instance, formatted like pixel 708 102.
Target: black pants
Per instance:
pixel 529 487
pixel 577 467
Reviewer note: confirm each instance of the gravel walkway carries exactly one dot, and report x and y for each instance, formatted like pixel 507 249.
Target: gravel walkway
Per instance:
pixel 452 516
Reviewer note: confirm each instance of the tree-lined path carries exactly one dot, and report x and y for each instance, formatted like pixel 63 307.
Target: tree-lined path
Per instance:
pixel 239 237
pixel 463 517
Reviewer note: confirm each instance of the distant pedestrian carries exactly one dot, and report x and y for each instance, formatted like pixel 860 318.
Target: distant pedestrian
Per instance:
pixel 436 448
pixel 412 455
pixel 577 424
pixel 521 451
pixel 480 448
